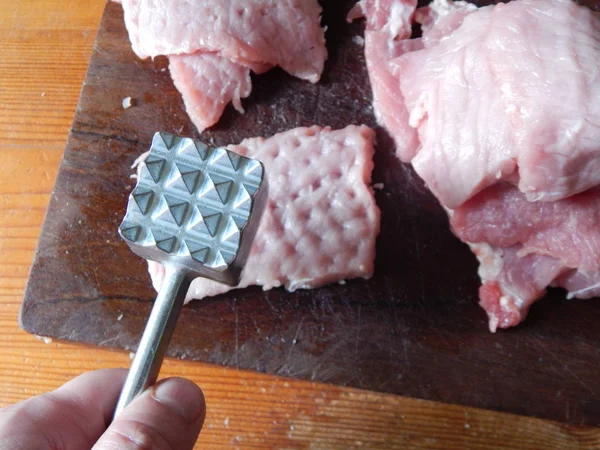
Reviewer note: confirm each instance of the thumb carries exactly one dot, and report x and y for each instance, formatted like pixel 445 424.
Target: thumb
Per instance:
pixel 167 416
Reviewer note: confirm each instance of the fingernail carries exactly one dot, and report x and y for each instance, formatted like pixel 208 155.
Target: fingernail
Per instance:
pixel 181 396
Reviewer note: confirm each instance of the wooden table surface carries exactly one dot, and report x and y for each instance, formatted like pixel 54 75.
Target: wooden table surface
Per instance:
pixel 44 50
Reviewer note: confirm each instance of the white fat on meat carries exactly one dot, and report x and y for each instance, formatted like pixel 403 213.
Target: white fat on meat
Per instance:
pixel 321 220
pixel 523 247
pixel 440 18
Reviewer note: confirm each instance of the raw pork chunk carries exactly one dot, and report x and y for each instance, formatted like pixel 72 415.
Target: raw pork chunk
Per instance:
pixel 505 101
pixel 524 246
pixel 212 45
pixel 321 220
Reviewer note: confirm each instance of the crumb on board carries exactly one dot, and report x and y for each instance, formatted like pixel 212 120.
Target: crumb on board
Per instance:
pixel 46 339
pixel 43 94
pixel 120 317
pixel 131 355
pixel 359 40
pixel 226 422
pixel 342 282
pixel 378 186
pixel 127 102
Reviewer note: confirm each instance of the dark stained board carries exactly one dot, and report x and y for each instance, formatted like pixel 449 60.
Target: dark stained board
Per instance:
pixel 414 329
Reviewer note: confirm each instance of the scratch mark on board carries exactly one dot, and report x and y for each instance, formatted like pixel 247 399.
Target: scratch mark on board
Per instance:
pixel 106 341
pixel 237 332
pixel 357 331
pixel 328 354
pixel 270 304
pixel 566 367
pixel 418 254
pixel 295 340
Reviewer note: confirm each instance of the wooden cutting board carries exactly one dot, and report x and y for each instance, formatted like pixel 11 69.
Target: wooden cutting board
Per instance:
pixel 414 329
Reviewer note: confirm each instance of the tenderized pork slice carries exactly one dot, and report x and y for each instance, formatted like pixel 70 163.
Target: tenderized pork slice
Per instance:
pixel 212 46
pixel 321 220
pixel 523 247
pixel 208 83
pixel 512 93
pixel 284 33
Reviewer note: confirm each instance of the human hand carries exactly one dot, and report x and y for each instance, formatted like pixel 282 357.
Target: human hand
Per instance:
pixel 77 416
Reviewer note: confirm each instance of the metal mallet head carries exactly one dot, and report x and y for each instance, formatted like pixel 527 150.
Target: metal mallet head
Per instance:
pixel 195 209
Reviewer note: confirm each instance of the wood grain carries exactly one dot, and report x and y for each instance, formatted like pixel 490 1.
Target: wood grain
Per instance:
pixel 45 48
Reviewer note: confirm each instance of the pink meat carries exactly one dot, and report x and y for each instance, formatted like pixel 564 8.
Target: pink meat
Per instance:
pixel 501 216
pixel 391 17
pixel 440 18
pixel 512 93
pixel 524 247
pixel 284 33
pixel 321 220
pixel 546 57
pixel 388 27
pixel 450 144
pixel 208 83
pixel 506 103
pixel 213 45
pixel 512 283
pixel 580 284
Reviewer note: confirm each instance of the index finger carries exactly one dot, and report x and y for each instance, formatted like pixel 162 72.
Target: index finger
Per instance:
pixel 72 417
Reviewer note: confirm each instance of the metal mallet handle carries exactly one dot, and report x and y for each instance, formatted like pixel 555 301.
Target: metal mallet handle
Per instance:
pixel 157 335
pixel 195 209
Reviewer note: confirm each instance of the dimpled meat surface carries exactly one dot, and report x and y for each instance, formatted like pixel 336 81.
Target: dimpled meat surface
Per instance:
pixel 321 221
pixel 284 33
pixel 213 45
pixel 208 82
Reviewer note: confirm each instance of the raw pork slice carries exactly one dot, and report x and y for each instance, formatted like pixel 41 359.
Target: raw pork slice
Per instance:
pixel 512 93
pixel 321 221
pixel 285 33
pixel 386 38
pixel 524 246
pixel 208 83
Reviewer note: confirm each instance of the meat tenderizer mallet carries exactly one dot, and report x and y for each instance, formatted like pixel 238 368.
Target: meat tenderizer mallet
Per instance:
pixel 195 209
